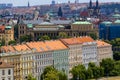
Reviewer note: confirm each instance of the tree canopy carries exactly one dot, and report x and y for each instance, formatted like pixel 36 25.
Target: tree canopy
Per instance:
pixel 50 73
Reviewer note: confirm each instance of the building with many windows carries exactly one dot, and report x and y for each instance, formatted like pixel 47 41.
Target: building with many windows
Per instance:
pixel 104 50
pixel 6 71
pixel 109 30
pixel 33 57
pixel 54 28
pixel 63 54
pixel 82 50
pixel 6 33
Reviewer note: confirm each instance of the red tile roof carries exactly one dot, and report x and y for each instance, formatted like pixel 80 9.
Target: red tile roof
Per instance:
pixel 77 40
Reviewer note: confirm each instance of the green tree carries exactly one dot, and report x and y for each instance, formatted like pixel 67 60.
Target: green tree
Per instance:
pixel 116 69
pixel 46 71
pixel 13 42
pixel 30 77
pixel 63 35
pixel 25 38
pixel 50 73
pixel 62 75
pixel 45 37
pixel 116 55
pixel 89 73
pixel 93 35
pixel 2 43
pixel 79 72
pixel 96 71
pixel 108 66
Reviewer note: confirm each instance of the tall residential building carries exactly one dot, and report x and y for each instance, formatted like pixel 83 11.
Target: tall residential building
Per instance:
pixel 6 71
pixel 104 50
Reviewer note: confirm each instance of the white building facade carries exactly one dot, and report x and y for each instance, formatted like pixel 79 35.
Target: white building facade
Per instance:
pixel 89 53
pixel 6 71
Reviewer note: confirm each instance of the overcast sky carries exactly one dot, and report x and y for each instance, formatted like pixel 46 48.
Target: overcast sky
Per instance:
pixel 39 2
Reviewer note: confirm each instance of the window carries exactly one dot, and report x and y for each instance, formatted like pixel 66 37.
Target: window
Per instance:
pixel 9 72
pixel 9 78
pixel 3 72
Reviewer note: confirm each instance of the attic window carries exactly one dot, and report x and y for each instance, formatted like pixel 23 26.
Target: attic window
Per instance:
pixel 48 47
pixel 41 49
pixel 34 49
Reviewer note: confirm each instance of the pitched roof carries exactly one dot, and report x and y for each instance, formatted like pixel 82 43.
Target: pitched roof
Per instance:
pixel 10 48
pixel 47 45
pixel 7 49
pixel 21 47
pixel 5 65
pixel 102 43
pixel 2 28
pixel 78 40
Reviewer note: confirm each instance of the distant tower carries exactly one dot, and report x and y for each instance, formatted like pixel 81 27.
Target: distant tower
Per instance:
pixel 53 2
pixel 97 4
pixel 69 2
pixel 90 4
pixel 28 4
pixel 77 1
pixel 60 13
pixel 97 9
pixel 90 8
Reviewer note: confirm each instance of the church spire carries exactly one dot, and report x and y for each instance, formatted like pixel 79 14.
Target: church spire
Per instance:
pixel 28 4
pixel 90 4
pixel 97 3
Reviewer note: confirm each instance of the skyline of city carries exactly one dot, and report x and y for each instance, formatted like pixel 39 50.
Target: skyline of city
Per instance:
pixel 41 2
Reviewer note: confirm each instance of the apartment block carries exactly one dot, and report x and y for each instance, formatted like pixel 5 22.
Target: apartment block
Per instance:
pixel 6 71
pixel 104 50
pixel 6 33
pixel 33 57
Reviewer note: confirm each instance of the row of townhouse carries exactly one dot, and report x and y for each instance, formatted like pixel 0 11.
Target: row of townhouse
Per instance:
pixel 63 54
pixel 33 57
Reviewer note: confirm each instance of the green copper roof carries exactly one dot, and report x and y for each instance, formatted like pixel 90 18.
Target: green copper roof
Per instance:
pixel 29 25
pixel 81 22
pixel 106 22
pixel 116 15
pixel 117 21
pixel 8 27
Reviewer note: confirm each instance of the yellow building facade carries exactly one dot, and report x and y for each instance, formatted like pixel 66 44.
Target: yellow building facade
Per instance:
pixel 6 34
